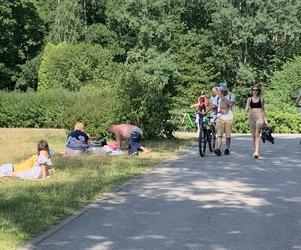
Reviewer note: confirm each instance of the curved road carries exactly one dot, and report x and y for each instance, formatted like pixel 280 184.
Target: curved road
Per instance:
pixel 188 202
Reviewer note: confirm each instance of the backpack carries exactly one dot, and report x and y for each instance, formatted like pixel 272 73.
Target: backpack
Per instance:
pixel 98 143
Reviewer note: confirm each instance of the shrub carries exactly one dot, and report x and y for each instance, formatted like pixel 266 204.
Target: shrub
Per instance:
pixel 74 66
pixel 59 109
pixel 240 123
pixel 280 122
pixel 143 102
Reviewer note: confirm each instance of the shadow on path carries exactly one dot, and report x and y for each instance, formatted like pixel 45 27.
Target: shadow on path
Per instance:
pixel 228 202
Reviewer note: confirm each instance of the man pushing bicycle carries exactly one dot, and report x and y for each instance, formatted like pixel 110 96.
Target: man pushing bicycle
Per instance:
pixel 225 102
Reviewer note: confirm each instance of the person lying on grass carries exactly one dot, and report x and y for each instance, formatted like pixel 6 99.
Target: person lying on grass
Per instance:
pixel 36 167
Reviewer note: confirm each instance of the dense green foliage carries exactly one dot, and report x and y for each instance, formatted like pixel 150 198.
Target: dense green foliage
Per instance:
pixel 168 49
pixel 95 107
pixel 74 66
pixel 21 39
pixel 68 23
pixel 59 109
pixel 279 121
pixel 285 86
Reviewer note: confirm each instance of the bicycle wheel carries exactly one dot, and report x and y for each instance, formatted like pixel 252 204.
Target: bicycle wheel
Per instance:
pixel 202 141
pixel 211 138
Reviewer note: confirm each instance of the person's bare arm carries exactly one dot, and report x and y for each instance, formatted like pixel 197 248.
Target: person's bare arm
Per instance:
pixel 44 173
pixel 118 137
pixel 209 108
pixel 263 110
pixel 145 149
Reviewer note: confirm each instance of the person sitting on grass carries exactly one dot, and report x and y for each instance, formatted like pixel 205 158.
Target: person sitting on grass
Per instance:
pixel 131 133
pixel 77 141
pixel 36 167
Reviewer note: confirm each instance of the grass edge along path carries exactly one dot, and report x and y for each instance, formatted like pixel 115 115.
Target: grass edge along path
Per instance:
pixel 28 208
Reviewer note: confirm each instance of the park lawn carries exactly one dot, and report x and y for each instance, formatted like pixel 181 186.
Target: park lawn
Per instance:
pixel 28 208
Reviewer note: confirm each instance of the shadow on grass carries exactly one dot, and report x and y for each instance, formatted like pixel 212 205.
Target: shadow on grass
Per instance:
pixel 228 202
pixel 31 207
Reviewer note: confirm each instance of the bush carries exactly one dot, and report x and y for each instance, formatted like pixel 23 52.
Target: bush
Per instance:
pixel 59 109
pixel 240 123
pixel 74 66
pixel 143 102
pixel 280 122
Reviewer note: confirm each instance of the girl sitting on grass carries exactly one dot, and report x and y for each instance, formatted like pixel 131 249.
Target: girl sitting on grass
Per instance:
pixel 36 167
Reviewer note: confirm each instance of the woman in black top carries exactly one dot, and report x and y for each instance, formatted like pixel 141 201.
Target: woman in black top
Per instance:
pixel 255 110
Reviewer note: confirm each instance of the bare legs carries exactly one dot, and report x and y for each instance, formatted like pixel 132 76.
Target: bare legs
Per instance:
pixel 255 141
pixel 220 140
pixel 228 142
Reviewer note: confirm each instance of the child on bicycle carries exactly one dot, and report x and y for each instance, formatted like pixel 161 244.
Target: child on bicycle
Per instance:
pixel 202 103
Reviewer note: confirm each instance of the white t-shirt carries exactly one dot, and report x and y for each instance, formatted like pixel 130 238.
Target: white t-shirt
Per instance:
pixel 213 100
pixel 227 116
pixel 36 171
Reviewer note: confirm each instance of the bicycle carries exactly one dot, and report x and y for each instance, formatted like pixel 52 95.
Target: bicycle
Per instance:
pixel 207 134
pixel 188 121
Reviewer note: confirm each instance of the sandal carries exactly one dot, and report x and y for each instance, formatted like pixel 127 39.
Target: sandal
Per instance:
pixel 255 155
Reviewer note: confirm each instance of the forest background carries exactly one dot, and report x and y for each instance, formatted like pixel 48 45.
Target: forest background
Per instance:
pixel 143 62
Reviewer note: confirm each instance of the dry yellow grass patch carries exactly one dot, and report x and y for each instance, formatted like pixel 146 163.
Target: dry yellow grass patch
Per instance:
pixel 16 144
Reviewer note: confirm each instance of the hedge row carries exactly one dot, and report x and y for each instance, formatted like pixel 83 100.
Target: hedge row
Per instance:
pixel 280 122
pixel 59 109
pixel 97 108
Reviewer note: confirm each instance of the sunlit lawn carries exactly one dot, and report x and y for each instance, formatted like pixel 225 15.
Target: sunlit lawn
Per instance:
pixel 28 208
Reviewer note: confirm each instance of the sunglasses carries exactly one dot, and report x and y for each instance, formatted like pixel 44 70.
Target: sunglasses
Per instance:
pixel 255 90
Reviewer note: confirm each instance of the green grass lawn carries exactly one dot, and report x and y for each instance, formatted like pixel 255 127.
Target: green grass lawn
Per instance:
pixel 28 208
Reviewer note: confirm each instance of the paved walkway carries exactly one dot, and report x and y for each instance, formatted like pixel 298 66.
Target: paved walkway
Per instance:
pixel 188 202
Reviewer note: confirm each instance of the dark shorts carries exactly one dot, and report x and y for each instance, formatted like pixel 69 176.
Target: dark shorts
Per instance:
pixel 134 142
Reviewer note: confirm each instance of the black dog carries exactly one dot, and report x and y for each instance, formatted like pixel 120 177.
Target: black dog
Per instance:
pixel 266 135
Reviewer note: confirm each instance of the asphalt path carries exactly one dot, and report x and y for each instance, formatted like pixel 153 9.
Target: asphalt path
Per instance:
pixel 189 202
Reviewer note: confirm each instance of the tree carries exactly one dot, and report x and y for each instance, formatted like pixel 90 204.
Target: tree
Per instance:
pixel 68 25
pixel 144 24
pixel 21 38
pixel 285 86
pixel 253 37
pixel 192 73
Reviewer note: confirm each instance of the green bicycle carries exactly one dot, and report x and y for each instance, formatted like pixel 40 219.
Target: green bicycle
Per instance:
pixel 187 123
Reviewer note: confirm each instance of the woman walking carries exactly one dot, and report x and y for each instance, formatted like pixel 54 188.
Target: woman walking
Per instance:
pixel 255 110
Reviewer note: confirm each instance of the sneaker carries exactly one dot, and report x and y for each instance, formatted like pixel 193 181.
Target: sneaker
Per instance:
pixel 227 151
pixel 218 152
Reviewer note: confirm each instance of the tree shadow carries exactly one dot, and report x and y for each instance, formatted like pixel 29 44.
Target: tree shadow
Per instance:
pixel 189 202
